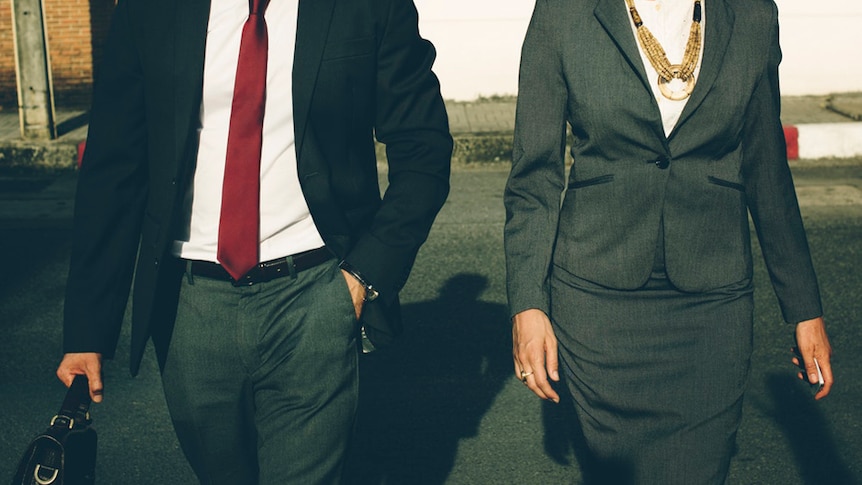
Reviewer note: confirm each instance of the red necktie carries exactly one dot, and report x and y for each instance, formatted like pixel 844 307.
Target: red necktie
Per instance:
pixel 239 225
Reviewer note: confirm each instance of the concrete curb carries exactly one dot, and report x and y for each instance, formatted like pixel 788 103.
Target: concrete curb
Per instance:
pixel 21 156
pixel 812 141
pixel 824 140
pixel 804 142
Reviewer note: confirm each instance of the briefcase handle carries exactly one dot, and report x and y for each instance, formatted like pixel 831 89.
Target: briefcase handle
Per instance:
pixel 76 405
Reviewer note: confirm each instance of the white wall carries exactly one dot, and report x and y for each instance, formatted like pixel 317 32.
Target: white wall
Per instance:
pixel 821 41
pixel 479 43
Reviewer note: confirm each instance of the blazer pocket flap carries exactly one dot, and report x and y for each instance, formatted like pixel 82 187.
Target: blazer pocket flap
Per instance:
pixel 361 46
pixel 726 183
pixel 603 179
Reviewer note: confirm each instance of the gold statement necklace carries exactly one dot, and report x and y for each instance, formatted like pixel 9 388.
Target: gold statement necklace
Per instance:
pixel 667 72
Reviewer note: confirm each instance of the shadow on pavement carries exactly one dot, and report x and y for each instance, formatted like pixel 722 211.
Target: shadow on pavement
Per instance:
pixel 808 432
pixel 33 265
pixel 73 123
pixel 26 253
pixel 432 389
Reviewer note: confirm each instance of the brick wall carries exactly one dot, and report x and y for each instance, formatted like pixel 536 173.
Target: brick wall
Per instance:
pixel 76 32
pixel 8 94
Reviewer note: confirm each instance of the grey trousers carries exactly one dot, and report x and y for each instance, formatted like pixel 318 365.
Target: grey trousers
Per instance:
pixel 261 381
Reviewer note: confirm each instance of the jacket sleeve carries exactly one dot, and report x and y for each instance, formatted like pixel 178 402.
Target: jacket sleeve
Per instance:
pixel 535 184
pixel 411 121
pixel 109 200
pixel 771 196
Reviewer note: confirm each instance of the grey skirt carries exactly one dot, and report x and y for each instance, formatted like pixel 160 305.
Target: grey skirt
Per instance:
pixel 657 376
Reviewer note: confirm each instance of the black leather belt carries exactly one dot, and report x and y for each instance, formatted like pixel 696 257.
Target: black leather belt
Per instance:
pixel 266 271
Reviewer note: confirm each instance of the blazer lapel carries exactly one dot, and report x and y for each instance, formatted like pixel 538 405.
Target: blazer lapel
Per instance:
pixel 613 16
pixel 312 29
pixel 190 34
pixel 718 29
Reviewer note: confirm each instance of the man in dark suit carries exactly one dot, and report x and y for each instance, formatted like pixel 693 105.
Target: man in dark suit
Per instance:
pixel 259 364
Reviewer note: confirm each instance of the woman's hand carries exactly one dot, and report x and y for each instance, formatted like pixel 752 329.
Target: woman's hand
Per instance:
pixel 534 348
pixel 813 343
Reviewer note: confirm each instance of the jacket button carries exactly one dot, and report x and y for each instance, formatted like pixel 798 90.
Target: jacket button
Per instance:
pixel 662 163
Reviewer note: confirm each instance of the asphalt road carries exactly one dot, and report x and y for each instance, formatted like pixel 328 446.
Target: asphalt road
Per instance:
pixel 443 406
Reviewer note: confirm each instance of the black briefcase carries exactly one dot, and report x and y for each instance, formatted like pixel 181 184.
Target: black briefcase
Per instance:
pixel 66 452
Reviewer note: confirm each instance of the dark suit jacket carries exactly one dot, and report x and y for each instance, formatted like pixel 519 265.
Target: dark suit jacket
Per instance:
pixel 724 159
pixel 360 70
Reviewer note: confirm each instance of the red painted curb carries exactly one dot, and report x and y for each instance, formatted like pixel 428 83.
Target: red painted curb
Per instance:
pixel 81 147
pixel 791 138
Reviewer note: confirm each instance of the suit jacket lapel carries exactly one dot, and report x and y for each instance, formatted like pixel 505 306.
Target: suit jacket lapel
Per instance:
pixel 718 29
pixel 190 34
pixel 311 32
pixel 616 21
pixel 613 16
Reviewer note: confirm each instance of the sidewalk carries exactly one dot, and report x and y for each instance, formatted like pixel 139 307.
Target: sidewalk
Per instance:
pixel 816 127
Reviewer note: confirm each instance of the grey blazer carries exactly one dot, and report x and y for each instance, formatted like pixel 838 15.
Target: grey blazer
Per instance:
pixel 724 160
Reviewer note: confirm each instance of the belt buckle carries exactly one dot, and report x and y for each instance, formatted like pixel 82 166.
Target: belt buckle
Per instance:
pixel 281 267
pixel 267 271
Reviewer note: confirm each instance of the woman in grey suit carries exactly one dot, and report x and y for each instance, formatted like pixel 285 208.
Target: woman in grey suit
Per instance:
pixel 637 287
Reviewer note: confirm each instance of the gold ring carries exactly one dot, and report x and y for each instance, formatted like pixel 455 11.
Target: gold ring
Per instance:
pixel 524 376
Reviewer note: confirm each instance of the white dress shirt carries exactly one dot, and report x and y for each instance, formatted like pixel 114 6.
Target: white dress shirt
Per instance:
pixel 286 226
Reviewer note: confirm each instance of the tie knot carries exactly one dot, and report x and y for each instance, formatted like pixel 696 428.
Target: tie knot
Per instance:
pixel 257 7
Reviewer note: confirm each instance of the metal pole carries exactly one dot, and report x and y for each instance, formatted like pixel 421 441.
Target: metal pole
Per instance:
pixel 33 71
